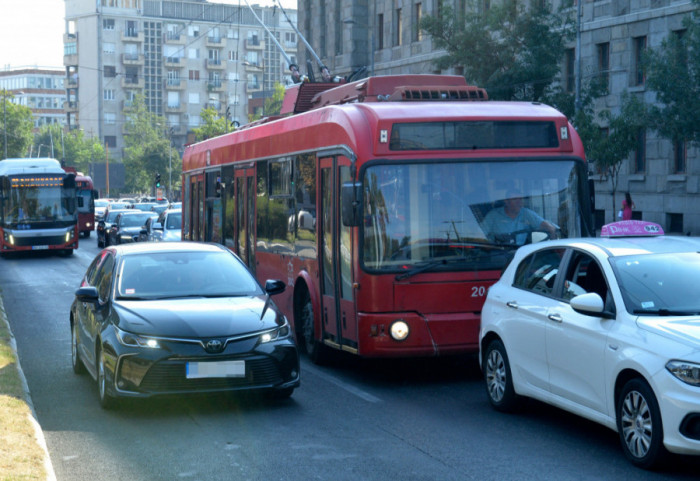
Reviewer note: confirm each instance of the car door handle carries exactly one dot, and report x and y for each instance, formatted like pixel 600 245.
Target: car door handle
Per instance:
pixel 512 304
pixel 555 317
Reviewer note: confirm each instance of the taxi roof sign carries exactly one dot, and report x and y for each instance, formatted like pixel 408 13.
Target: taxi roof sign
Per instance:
pixel 631 228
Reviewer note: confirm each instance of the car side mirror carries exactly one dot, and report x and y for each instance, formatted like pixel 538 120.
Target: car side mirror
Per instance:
pixel 87 294
pixel 273 287
pixel 590 304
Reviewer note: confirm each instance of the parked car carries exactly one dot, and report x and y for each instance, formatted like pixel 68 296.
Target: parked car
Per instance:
pixel 127 226
pixel 170 228
pixel 175 318
pixel 606 328
pixel 105 224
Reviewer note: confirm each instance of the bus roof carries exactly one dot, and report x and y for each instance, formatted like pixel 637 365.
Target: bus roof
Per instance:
pixel 32 165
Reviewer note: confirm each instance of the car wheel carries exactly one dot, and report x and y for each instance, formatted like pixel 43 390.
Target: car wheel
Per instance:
pixel 107 401
pixel 317 351
pixel 499 381
pixel 78 366
pixel 639 425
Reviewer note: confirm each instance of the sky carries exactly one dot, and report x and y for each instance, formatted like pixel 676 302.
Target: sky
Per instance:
pixel 31 31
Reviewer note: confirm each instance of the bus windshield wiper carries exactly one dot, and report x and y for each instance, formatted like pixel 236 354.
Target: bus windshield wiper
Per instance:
pixel 422 267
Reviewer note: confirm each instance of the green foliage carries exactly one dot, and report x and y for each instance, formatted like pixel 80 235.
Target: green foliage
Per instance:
pixel 148 149
pixel 212 125
pixel 71 147
pixel 17 125
pixel 273 105
pixel 512 50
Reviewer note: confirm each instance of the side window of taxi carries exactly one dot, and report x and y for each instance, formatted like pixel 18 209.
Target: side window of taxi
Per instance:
pixel 538 271
pixel 103 279
pixel 584 275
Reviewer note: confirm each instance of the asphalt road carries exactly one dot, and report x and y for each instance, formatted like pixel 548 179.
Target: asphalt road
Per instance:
pixel 352 420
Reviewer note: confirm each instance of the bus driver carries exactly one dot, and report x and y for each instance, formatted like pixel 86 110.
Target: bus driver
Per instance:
pixel 512 223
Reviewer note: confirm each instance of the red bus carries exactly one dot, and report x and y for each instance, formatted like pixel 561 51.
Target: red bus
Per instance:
pixel 37 206
pixel 372 202
pixel 85 190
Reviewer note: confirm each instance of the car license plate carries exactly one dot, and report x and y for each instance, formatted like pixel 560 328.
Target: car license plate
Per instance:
pixel 40 248
pixel 197 370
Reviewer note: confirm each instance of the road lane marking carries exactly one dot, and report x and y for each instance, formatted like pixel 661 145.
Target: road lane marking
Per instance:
pixel 341 384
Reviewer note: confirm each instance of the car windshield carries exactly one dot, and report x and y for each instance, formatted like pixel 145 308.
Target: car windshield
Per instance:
pixel 160 275
pixel 133 220
pixel 659 284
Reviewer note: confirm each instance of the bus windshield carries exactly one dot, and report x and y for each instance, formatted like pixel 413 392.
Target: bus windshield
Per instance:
pixel 436 215
pixel 36 200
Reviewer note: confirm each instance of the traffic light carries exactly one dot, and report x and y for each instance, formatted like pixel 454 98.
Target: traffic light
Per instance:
pixel 157 180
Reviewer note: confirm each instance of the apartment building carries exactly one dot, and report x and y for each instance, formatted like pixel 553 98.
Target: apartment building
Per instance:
pixel 381 37
pixel 39 88
pixel 181 56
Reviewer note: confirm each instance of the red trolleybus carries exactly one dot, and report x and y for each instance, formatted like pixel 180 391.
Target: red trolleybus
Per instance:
pixel 86 193
pixel 37 206
pixel 372 202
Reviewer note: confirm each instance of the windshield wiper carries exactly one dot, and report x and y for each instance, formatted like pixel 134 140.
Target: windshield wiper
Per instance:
pixel 429 265
pixel 666 312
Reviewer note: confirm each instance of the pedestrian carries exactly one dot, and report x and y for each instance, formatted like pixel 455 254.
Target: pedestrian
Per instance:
pixel 627 206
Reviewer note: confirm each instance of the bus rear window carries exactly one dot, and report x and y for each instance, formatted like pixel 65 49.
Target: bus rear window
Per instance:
pixel 474 135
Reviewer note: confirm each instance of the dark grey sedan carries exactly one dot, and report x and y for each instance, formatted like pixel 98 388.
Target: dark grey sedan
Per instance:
pixel 175 318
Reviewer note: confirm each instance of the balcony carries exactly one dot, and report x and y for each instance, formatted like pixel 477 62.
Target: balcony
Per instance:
pixel 175 108
pixel 216 64
pixel 70 106
pixel 131 35
pixel 175 83
pixel 132 59
pixel 217 85
pixel 215 42
pixel 132 82
pixel 253 67
pixel 253 44
pixel 253 87
pixel 175 62
pixel 174 38
pixel 128 106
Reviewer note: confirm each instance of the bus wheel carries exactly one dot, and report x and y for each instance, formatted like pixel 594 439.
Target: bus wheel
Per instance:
pixel 315 349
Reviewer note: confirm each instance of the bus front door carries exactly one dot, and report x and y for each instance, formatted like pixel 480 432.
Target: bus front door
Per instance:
pixel 245 215
pixel 336 257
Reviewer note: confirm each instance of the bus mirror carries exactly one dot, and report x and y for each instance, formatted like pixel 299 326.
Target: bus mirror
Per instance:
pixel 350 203
pixel 591 192
pixel 81 202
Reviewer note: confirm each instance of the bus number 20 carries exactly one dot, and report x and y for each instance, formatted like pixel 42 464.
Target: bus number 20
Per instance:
pixel 478 291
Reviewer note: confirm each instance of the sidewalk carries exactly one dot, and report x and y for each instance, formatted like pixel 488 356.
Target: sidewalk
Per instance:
pixel 18 454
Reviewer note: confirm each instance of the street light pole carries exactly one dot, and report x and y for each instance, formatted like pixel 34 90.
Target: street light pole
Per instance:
pixel 4 118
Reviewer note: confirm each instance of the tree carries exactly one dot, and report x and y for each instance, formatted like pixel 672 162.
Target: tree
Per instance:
pixel 72 147
pixel 673 72
pixel 147 148
pixel 513 51
pixel 273 105
pixel 17 125
pixel 212 125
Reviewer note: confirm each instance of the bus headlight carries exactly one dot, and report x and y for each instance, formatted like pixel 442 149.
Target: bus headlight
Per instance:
pixel 399 330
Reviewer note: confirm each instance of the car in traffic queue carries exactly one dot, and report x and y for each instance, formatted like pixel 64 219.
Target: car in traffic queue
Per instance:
pixel 169 227
pixel 607 328
pixel 177 318
pixel 127 226
pixel 100 208
pixel 147 229
pixel 103 226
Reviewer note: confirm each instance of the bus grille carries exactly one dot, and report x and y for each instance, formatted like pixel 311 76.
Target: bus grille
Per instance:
pixel 39 241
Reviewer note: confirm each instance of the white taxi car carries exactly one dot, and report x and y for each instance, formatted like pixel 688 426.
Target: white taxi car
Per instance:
pixel 607 328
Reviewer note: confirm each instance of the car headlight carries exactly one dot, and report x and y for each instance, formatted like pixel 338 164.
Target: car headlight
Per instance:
pixel 688 372
pixel 276 334
pixel 134 340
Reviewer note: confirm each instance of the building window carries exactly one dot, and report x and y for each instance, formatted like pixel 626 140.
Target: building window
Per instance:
pixel 107 47
pixel 570 69
pixel 397 27
pixel 110 71
pixel 674 223
pixel 193 31
pixel 194 75
pixel 417 16
pixel 679 157
pixel 111 141
pixel 604 64
pixel 193 53
pixel 640 44
pixel 108 94
pixel 233 55
pixel 193 98
pixel 640 153
pixel 380 31
pixel 108 24
pixel 110 118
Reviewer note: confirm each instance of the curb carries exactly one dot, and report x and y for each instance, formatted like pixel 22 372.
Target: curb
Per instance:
pixel 38 433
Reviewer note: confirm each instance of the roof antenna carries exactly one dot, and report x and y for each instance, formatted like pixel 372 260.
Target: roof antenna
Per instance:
pixel 325 73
